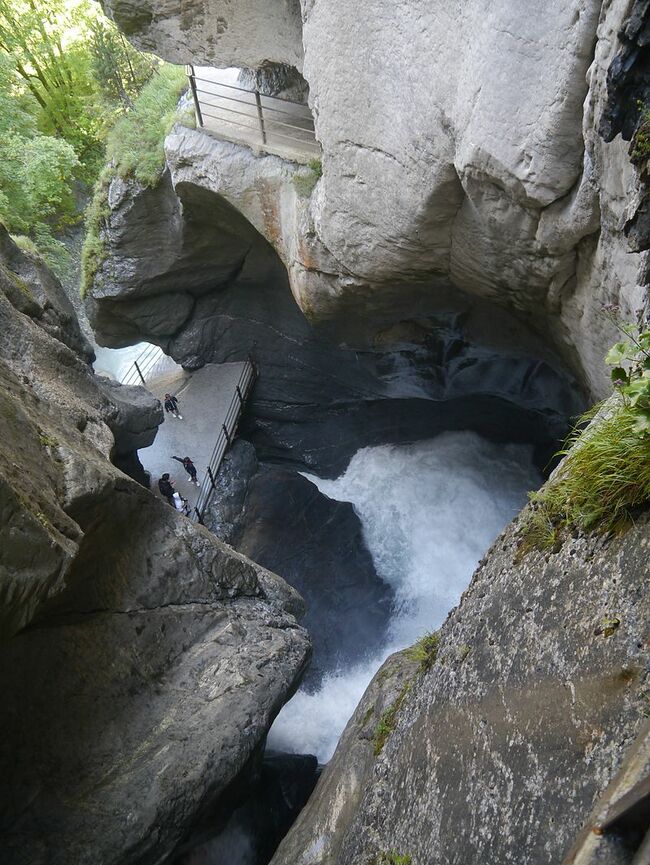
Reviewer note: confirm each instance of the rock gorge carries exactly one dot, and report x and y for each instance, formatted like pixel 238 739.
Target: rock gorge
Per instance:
pixel 112 607
pixel 477 207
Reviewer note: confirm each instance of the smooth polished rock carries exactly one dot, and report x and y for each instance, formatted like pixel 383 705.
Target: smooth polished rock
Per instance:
pixel 142 661
pixel 516 729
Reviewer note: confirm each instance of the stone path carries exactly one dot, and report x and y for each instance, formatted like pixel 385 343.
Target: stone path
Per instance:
pixel 204 398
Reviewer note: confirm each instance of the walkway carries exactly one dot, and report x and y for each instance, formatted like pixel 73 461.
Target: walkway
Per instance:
pixel 204 399
pixel 279 126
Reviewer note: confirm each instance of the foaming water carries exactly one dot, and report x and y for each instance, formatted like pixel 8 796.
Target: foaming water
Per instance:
pixel 429 511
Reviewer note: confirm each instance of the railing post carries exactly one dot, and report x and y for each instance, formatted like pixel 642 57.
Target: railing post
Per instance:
pixel 197 106
pixel 199 517
pixel 241 398
pixel 260 116
pixel 211 476
pixel 226 433
pixel 135 364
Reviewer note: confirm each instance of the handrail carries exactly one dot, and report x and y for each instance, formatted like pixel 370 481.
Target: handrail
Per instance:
pixel 140 368
pixel 225 438
pixel 267 130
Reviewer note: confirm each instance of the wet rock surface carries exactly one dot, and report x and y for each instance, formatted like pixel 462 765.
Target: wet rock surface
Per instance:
pixel 515 730
pixel 142 661
pixel 251 833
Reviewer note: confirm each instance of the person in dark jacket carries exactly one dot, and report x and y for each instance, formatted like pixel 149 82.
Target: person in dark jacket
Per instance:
pixel 189 467
pixel 166 487
pixel 171 406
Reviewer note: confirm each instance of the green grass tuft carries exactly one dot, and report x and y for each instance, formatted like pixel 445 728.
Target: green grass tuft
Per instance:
pixel 388 719
pixel 135 145
pixel 391 858
pixel 304 183
pixel 425 651
pixel 602 483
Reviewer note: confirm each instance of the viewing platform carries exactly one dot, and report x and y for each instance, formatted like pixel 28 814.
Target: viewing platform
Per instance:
pixel 270 123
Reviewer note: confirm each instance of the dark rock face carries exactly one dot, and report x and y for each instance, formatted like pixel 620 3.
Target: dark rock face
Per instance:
pixel 498 753
pixel 141 661
pixel 235 473
pixel 34 290
pixel 317 545
pixel 628 76
pixel 275 797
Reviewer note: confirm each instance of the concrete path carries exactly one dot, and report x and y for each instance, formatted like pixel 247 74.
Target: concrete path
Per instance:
pixel 203 398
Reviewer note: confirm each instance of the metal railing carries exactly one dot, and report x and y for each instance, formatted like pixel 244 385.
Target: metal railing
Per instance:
pixel 225 438
pixel 251 117
pixel 142 368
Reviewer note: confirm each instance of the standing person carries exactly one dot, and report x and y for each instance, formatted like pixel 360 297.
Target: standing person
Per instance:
pixel 166 487
pixel 171 405
pixel 189 467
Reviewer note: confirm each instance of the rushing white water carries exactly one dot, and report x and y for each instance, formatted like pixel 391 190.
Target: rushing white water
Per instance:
pixel 429 511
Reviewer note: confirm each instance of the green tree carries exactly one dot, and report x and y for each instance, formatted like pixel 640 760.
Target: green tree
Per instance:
pixel 31 37
pixel 120 70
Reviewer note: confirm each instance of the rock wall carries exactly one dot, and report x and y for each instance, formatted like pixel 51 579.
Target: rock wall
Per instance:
pixel 199 266
pixel 243 34
pixel 499 751
pixel 141 660
pixel 462 150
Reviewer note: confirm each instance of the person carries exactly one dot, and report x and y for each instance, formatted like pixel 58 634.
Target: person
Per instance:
pixel 171 405
pixel 166 487
pixel 189 467
pixel 181 504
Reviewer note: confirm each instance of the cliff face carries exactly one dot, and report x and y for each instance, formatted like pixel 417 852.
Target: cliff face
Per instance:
pixel 203 265
pixel 463 150
pixel 141 660
pixel 498 752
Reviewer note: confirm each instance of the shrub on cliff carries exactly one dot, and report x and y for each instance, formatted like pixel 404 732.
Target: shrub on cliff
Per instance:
pixel 135 143
pixel 604 479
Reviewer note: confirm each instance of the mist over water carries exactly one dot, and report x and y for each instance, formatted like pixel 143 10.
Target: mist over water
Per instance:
pixel 429 511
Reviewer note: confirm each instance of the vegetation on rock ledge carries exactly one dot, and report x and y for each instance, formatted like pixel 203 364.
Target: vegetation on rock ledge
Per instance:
pixel 604 479
pixel 425 651
pixel 135 148
pixel 304 183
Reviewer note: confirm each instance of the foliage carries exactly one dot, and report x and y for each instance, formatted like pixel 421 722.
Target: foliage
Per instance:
pixel 135 144
pixel 92 252
pixel 304 183
pixel 605 477
pixel 66 74
pixel 386 723
pixel 640 146
pixel 391 858
pixel 120 71
pixel 425 651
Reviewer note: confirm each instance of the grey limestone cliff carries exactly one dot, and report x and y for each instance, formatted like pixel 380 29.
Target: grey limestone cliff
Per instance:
pixel 465 150
pixel 498 752
pixel 141 660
